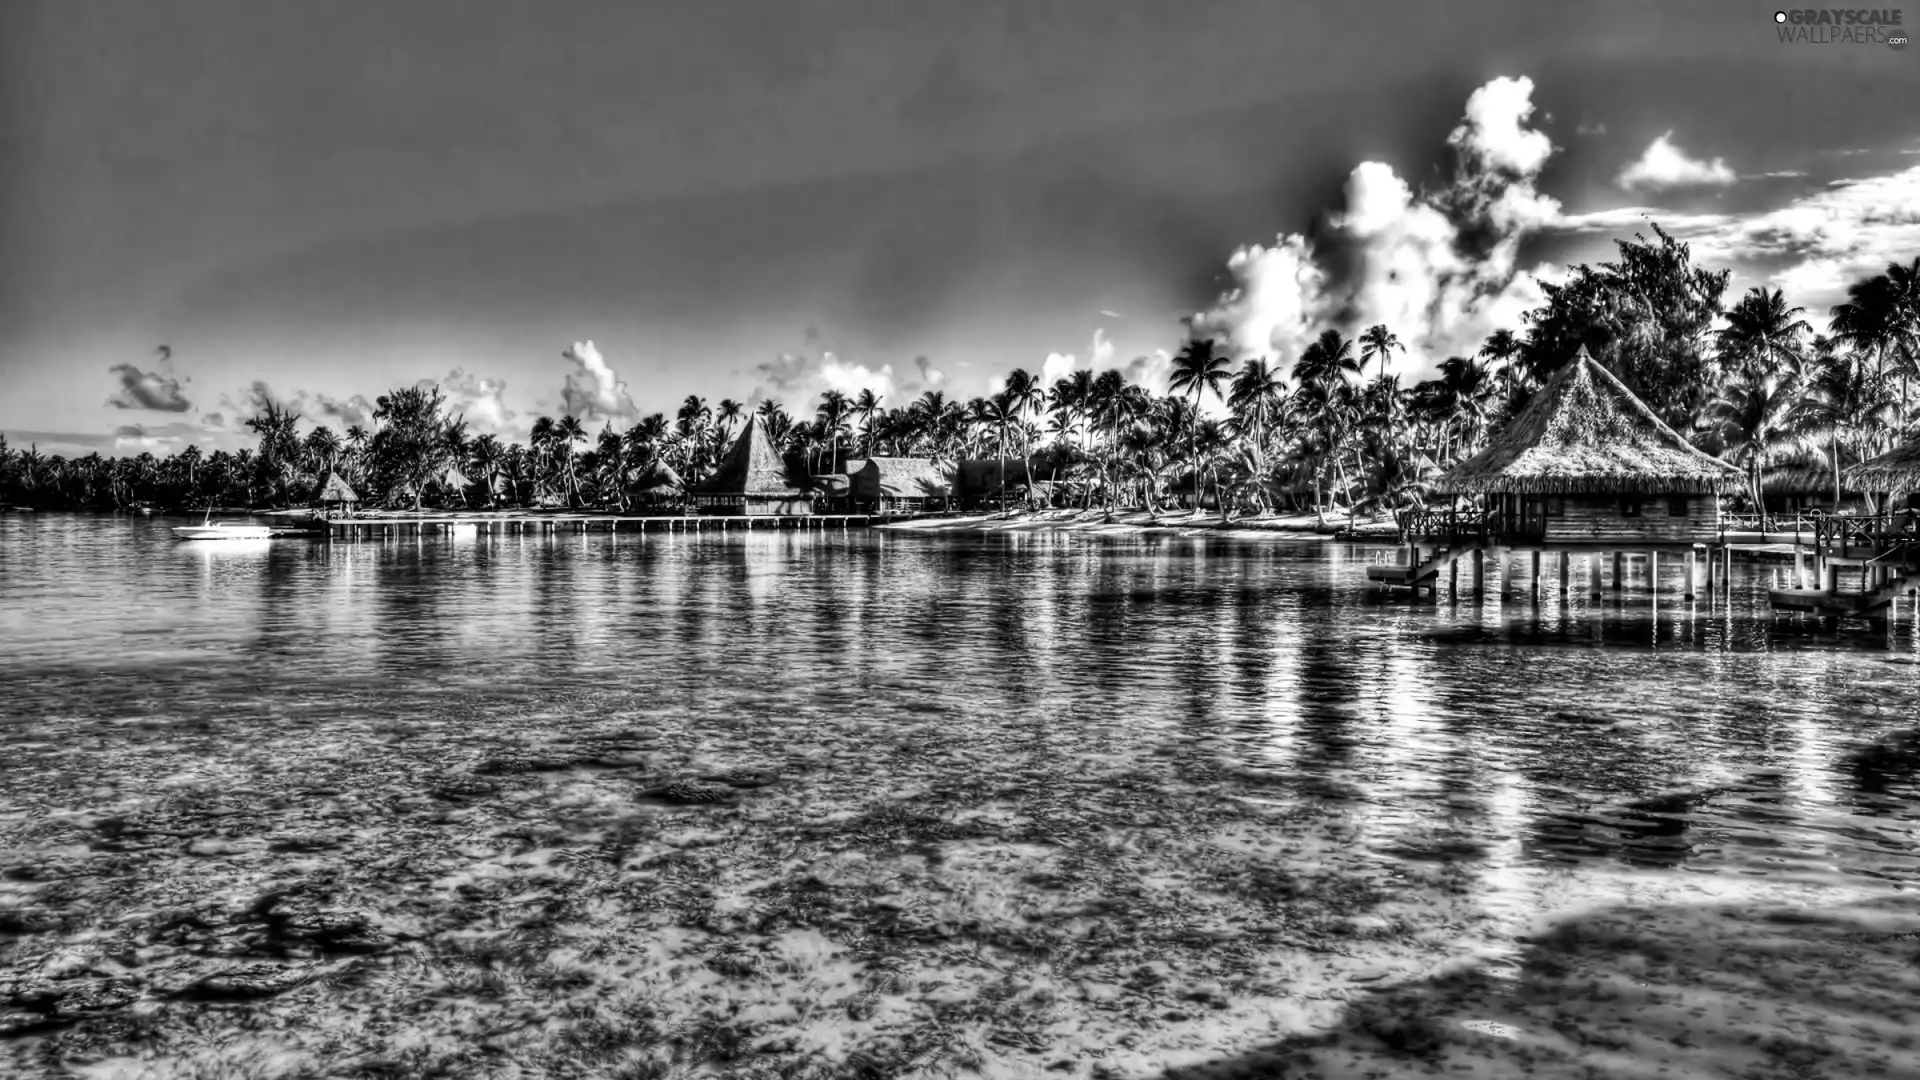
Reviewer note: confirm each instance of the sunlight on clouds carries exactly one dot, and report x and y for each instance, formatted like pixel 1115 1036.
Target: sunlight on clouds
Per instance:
pixel 1439 268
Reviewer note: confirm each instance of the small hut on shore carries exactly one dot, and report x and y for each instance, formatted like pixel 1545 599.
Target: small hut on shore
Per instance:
pixel 1587 462
pixel 900 483
pixel 334 495
pixel 752 479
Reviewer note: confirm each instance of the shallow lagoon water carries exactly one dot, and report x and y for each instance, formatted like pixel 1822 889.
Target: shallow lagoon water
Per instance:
pixel 1183 795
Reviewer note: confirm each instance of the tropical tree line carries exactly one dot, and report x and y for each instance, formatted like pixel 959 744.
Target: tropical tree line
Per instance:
pixel 1331 429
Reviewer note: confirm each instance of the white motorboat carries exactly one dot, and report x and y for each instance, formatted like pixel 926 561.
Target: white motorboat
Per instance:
pixel 222 530
pixel 208 529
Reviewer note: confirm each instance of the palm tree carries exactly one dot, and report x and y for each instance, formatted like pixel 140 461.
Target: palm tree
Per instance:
pixel 1762 333
pixel 1258 396
pixel 832 418
pixel 1756 417
pixel 1378 341
pixel 1198 369
pixel 865 404
pixel 1503 348
pixel 1869 323
pixel 566 433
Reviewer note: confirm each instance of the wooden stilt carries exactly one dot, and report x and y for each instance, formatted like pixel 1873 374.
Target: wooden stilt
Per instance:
pixel 1593 574
pixel 1479 573
pixel 1653 574
pixel 1453 577
pixel 1619 568
pixel 1535 580
pixel 1691 558
pixel 1566 578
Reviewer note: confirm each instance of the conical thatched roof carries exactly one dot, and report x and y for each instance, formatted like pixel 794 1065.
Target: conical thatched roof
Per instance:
pixel 335 490
pixel 752 467
pixel 1894 472
pixel 1585 433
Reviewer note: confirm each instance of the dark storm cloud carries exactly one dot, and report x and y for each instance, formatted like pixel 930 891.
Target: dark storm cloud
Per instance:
pixel 154 390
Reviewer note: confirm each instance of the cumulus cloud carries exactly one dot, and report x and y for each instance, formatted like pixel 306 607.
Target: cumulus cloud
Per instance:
pixel 1440 268
pixel 1663 166
pixel 593 392
pixel 797 379
pixel 355 411
pixel 158 389
pixel 481 401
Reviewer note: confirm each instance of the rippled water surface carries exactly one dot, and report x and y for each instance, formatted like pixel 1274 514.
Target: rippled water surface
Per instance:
pixel 1523 760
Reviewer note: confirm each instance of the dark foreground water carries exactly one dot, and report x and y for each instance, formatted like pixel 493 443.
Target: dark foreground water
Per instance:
pixel 1121 720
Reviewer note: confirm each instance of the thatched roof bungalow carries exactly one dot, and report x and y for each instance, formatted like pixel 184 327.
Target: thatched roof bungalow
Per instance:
pixel 900 481
pixel 334 493
pixel 656 486
pixel 1587 461
pixel 753 479
pixel 1896 472
pixel 1801 481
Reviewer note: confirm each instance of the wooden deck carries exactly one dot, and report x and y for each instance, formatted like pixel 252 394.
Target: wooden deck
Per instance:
pixel 356 528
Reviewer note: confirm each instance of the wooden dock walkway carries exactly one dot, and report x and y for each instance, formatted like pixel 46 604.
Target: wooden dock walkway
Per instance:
pixel 358 528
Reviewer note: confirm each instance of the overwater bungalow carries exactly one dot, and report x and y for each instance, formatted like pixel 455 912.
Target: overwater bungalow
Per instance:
pixel 335 495
pixel 752 479
pixel 1801 483
pixel 900 483
pixel 1586 468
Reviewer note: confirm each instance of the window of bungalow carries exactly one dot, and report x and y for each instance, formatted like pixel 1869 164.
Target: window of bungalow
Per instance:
pixel 1677 506
pixel 1629 506
pixel 1556 506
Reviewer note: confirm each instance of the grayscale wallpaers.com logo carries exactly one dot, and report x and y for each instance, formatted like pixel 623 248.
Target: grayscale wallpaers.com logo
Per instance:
pixel 1843 26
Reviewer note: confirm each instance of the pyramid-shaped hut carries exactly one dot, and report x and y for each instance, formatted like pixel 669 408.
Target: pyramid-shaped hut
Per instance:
pixel 1588 463
pixel 752 479
pixel 334 494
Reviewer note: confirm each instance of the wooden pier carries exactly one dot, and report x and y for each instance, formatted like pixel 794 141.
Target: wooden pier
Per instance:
pixel 1814 560
pixel 384 527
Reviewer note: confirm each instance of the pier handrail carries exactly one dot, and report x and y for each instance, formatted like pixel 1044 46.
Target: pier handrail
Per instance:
pixel 1441 524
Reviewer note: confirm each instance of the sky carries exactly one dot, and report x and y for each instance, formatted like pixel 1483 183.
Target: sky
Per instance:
pixel 602 206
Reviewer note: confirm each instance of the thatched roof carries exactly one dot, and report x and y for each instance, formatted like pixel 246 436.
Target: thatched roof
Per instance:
pixel 1585 433
pixel 660 478
pixel 1894 472
pixel 333 489
pixel 752 467
pixel 1807 476
pixel 901 478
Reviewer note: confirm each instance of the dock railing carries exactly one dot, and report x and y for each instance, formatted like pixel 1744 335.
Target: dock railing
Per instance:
pixel 1442 525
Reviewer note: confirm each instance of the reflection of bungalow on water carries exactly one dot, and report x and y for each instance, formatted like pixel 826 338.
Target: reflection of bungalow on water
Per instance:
pixel 752 479
pixel 1586 468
